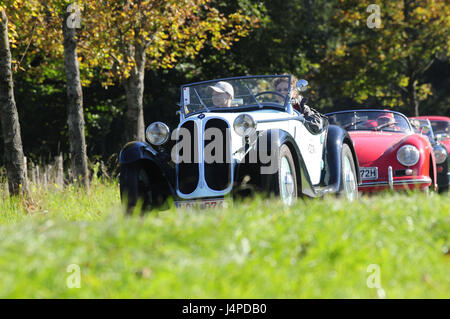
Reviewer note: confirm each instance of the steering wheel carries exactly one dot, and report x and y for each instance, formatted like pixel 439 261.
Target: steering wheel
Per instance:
pixel 270 92
pixel 381 126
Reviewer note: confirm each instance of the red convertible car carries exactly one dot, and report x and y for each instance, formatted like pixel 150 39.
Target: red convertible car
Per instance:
pixel 390 154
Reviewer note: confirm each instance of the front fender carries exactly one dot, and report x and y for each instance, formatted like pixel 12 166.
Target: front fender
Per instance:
pixel 336 137
pixel 264 144
pixel 135 151
pixel 141 151
pixel 426 166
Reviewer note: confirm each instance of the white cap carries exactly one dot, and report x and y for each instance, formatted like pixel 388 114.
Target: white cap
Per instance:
pixel 223 87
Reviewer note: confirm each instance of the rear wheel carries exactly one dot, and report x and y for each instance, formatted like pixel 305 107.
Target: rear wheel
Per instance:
pixel 348 186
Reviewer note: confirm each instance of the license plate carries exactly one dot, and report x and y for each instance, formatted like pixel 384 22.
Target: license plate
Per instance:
pixel 202 204
pixel 368 173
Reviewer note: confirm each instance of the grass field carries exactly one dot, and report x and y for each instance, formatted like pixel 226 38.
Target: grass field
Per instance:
pixel 256 249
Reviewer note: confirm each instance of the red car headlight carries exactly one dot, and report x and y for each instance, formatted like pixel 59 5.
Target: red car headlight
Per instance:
pixel 408 155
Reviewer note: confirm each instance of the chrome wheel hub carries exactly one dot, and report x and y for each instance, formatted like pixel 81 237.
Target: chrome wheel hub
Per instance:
pixel 349 181
pixel 287 186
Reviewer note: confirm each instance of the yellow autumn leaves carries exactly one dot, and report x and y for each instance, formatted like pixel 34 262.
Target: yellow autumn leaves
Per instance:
pixel 113 32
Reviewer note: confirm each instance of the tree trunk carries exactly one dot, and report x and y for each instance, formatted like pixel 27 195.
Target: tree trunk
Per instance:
pixel 411 71
pixel 309 11
pixel 75 117
pixel 15 168
pixel 412 96
pixel 134 88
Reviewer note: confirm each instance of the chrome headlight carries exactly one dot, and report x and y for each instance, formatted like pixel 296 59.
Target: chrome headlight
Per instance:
pixel 408 155
pixel 157 133
pixel 244 125
pixel 440 153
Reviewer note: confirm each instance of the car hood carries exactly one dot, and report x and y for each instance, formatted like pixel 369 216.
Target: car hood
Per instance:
pixel 372 145
pixel 261 114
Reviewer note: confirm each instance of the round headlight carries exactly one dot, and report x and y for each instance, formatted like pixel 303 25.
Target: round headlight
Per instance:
pixel 408 155
pixel 157 133
pixel 244 125
pixel 440 153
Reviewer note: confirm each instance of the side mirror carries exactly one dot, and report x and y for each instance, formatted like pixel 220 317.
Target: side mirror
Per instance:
pixel 302 85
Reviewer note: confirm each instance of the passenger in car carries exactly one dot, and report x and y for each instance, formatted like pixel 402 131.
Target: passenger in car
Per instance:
pixel 313 119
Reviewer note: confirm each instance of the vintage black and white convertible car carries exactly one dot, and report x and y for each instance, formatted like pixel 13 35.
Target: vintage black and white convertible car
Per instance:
pixel 237 135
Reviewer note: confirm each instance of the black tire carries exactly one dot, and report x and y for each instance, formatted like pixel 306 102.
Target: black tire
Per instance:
pixel 135 186
pixel 351 193
pixel 277 184
pixel 443 190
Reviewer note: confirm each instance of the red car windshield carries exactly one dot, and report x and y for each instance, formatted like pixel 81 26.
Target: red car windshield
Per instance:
pixel 370 121
pixel 441 127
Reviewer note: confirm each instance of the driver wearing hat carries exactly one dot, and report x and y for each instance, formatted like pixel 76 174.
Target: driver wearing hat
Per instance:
pixel 386 119
pixel 222 94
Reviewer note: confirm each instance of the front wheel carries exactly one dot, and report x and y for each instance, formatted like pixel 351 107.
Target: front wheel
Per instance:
pixel 348 185
pixel 135 186
pixel 284 182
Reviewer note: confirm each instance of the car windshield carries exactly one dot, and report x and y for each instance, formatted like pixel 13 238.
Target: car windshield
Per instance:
pixel 441 127
pixel 236 93
pixel 370 121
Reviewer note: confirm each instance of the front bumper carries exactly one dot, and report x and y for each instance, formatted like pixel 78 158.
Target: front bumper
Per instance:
pixel 400 183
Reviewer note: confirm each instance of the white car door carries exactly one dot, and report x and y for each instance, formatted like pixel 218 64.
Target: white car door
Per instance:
pixel 311 147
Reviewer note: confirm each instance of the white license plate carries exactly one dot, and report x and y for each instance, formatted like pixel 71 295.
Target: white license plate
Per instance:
pixel 368 173
pixel 202 204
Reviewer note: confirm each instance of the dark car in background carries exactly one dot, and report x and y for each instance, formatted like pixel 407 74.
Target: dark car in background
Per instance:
pixel 423 126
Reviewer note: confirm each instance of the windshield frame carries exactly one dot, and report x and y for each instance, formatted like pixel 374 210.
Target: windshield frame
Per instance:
pixel 411 129
pixel 245 108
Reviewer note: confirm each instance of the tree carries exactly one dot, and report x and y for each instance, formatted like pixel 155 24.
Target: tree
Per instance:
pixel 46 32
pixel 291 38
pixel 383 52
pixel 133 35
pixel 9 118
pixel 55 41
pixel 75 117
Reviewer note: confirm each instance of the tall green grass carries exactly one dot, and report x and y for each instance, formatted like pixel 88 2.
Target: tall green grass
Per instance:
pixel 72 203
pixel 256 249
